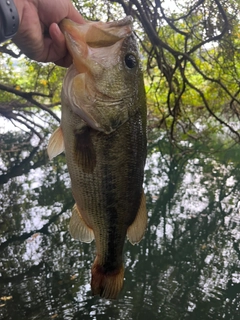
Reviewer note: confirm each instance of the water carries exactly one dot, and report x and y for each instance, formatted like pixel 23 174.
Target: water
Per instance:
pixel 186 267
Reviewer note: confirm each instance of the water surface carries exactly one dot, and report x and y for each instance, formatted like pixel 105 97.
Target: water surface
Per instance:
pixel 186 267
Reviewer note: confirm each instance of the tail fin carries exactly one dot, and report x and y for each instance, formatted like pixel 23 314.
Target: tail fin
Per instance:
pixel 106 284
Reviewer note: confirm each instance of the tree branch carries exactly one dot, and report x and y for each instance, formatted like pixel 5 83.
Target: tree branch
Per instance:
pixel 29 97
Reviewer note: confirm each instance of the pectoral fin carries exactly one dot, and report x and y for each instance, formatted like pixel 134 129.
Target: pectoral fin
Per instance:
pixel 137 229
pixel 55 144
pixel 78 228
pixel 84 150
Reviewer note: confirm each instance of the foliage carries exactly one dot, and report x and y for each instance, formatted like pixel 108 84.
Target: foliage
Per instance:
pixel 191 61
pixel 30 92
pixel 188 262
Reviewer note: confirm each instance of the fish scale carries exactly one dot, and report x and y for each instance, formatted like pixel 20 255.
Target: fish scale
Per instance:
pixel 103 134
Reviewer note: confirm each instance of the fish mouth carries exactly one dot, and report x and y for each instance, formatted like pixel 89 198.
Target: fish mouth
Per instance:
pixel 104 39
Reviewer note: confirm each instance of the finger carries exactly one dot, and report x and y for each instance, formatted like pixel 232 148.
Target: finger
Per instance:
pixel 74 15
pixel 64 62
pixel 58 53
pixel 58 39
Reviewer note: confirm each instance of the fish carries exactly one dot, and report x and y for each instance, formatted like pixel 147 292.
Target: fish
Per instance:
pixel 103 135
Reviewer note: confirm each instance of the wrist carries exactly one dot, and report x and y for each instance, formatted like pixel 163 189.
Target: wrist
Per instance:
pixel 9 19
pixel 19 4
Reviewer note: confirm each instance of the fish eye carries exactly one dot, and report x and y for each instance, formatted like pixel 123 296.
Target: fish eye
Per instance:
pixel 130 61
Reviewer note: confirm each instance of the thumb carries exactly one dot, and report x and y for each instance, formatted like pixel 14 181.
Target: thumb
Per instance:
pixel 59 50
pixel 74 15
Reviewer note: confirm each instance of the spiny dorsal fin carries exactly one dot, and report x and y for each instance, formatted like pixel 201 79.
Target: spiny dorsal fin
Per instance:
pixel 55 144
pixel 137 229
pixel 78 228
pixel 84 150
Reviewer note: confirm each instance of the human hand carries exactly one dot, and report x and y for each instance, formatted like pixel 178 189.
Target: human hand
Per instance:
pixel 39 36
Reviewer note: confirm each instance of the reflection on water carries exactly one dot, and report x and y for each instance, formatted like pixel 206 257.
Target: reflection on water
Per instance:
pixel 186 267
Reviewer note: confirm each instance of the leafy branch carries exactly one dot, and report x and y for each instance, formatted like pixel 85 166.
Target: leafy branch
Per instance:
pixel 29 97
pixel 179 43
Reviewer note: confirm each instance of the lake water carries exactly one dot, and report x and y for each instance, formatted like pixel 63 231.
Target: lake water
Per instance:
pixel 186 267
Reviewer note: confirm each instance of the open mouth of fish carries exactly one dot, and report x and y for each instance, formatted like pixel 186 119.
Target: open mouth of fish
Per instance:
pixel 105 39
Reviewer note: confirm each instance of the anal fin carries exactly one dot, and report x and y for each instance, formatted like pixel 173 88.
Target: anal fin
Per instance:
pixel 78 228
pixel 137 229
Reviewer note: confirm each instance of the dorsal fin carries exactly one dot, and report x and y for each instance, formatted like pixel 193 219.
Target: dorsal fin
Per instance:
pixel 78 228
pixel 137 229
pixel 55 144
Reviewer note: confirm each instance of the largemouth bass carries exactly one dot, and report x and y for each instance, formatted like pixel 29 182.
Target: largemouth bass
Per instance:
pixel 103 134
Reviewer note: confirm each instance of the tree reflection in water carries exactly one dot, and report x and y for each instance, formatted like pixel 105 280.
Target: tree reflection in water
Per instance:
pixel 186 267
